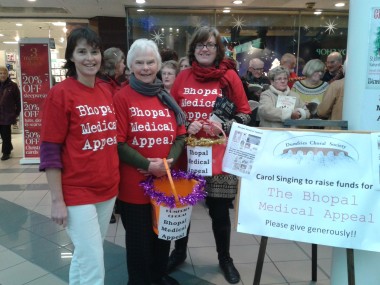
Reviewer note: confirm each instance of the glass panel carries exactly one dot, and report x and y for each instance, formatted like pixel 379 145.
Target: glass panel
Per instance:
pixel 247 33
pixel 257 35
pixel 169 28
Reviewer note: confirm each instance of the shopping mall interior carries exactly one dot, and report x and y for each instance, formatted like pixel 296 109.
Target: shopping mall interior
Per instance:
pixel 36 251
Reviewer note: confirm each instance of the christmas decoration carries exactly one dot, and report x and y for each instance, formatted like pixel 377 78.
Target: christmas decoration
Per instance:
pixel 238 23
pixel 158 37
pixel 330 26
pixel 196 194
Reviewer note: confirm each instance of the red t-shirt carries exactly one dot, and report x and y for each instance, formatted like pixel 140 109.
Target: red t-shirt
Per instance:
pixel 148 126
pixel 83 120
pixel 197 99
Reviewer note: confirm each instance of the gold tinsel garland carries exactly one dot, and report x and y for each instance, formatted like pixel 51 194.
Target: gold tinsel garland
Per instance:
pixel 193 141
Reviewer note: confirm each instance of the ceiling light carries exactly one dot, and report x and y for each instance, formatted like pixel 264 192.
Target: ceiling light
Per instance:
pixel 17 38
pixel 237 2
pixel 1 35
pixel 140 1
pixel 140 10
pixel 10 43
pixel 18 24
pixel 317 12
pixel 340 4
pixel 226 11
pixel 59 24
pixel 31 0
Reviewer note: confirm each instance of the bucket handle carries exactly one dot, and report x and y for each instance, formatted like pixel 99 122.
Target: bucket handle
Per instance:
pixel 217 126
pixel 171 180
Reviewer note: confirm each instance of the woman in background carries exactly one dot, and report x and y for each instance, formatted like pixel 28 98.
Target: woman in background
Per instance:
pixel 81 163
pixel 113 69
pixel 183 63
pixel 169 71
pixel 278 103
pixel 113 74
pixel 312 88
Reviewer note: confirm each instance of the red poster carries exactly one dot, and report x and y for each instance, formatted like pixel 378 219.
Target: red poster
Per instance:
pixel 35 84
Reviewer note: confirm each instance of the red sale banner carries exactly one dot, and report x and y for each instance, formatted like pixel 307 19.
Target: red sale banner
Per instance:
pixel 35 84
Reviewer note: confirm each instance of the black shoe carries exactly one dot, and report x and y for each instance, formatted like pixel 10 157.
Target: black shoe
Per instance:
pixel 116 208
pixel 230 272
pixel 176 258
pixel 5 156
pixel 166 280
pixel 113 219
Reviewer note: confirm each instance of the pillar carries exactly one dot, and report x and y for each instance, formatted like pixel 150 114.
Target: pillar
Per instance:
pixel 361 108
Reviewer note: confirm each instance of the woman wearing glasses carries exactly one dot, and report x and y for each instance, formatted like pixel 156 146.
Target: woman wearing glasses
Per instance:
pixel 196 89
pixel 169 71
pixel 278 103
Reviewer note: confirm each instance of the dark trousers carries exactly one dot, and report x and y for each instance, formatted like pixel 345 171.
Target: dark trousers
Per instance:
pixel 147 255
pixel 221 226
pixel 5 133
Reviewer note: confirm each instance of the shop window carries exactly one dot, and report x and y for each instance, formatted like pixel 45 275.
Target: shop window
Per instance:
pixel 246 33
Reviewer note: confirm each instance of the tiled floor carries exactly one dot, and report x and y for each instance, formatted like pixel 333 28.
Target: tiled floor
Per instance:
pixel 35 251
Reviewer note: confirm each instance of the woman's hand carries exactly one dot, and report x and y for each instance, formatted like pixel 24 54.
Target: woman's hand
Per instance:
pixel 59 212
pixel 156 167
pixel 212 128
pixel 296 115
pixel 194 127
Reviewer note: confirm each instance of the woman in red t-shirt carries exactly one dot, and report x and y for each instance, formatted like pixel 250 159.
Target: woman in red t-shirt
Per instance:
pixel 196 89
pixel 150 127
pixel 79 154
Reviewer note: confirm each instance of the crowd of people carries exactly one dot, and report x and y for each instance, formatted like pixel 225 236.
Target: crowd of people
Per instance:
pixel 97 121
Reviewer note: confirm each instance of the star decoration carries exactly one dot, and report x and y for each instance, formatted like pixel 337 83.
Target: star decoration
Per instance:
pixel 238 23
pixel 198 22
pixel 330 26
pixel 157 37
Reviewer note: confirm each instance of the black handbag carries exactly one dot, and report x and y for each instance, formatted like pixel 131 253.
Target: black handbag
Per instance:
pixel 224 108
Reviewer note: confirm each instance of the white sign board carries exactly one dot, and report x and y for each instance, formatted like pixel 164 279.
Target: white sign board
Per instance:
pixel 314 187
pixel 173 223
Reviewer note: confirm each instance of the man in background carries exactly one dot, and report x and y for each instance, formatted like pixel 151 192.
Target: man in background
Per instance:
pixel 255 81
pixel 289 61
pixel 332 102
pixel 334 68
pixel 10 108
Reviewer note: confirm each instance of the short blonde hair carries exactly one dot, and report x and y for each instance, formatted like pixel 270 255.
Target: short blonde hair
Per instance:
pixel 277 71
pixel 171 64
pixel 313 65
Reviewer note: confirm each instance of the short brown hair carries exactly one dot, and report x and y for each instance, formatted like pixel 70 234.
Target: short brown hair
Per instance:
pixel 201 35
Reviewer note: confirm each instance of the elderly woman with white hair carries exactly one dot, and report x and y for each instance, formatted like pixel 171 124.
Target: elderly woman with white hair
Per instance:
pixel 278 103
pixel 136 107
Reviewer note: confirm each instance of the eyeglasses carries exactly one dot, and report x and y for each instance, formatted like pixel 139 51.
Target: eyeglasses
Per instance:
pixel 255 69
pixel 209 46
pixel 281 79
pixel 168 74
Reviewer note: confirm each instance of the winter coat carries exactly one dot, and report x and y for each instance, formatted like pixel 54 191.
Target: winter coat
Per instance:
pixel 10 102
